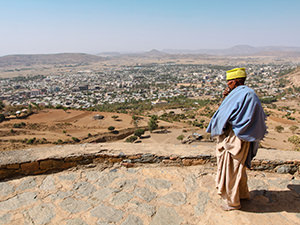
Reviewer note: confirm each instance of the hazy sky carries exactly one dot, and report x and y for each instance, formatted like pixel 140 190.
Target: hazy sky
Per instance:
pixel 93 26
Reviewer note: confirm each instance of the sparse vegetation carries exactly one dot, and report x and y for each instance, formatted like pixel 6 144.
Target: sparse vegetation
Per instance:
pixel 19 125
pixel 268 100
pixel 201 124
pixel 135 120
pixel 294 128
pixel 208 112
pixel 171 116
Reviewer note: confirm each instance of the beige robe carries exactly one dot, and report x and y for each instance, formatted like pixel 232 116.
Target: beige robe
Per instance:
pixel 231 179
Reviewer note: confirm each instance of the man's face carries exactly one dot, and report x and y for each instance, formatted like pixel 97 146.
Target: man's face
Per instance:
pixel 231 84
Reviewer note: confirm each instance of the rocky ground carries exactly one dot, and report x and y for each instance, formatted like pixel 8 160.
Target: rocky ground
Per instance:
pixel 144 195
pixel 154 193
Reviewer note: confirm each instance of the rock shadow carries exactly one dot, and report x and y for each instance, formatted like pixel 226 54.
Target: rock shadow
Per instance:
pixel 145 136
pixel 267 201
pixel 164 131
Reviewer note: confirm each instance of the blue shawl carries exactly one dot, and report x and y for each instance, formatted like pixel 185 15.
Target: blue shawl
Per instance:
pixel 241 110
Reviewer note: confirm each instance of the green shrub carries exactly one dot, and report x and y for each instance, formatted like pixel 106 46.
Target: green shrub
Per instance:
pixel 139 132
pixel 75 139
pixel 31 141
pixel 180 137
pixel 291 118
pixel 268 100
pixel 131 139
pixel 111 128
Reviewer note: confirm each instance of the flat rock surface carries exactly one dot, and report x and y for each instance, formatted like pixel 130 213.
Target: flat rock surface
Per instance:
pixel 116 148
pixel 145 195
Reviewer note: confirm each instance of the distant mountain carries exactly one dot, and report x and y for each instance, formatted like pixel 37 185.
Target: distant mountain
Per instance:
pixel 109 54
pixel 82 58
pixel 239 50
pixel 36 59
pixel 155 52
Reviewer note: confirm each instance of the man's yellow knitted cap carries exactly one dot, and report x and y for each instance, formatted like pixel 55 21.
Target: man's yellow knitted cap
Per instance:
pixel 236 73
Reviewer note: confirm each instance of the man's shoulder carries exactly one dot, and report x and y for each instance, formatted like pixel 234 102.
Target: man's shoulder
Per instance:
pixel 245 89
pixel 247 94
pixel 243 92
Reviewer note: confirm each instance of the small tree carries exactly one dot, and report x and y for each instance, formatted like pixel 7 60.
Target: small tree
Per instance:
pixel 279 128
pixel 139 132
pixel 111 128
pixel 152 124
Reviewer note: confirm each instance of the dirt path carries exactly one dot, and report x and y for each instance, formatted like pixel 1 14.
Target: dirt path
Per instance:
pixel 75 118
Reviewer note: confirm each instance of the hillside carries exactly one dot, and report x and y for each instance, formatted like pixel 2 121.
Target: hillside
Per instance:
pixel 294 77
pixel 46 59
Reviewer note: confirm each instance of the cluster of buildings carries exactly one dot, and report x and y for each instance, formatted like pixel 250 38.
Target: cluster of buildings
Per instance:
pixel 84 89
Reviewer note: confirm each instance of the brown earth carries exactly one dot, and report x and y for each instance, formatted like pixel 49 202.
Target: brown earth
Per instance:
pixel 54 125
pixel 49 126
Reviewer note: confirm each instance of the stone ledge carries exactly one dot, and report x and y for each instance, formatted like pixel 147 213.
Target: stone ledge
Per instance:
pixel 32 161
pixel 58 164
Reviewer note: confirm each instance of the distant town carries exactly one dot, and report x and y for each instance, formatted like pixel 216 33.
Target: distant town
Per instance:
pixel 156 82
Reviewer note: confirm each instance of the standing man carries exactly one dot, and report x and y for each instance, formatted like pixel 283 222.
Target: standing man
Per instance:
pixel 239 125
